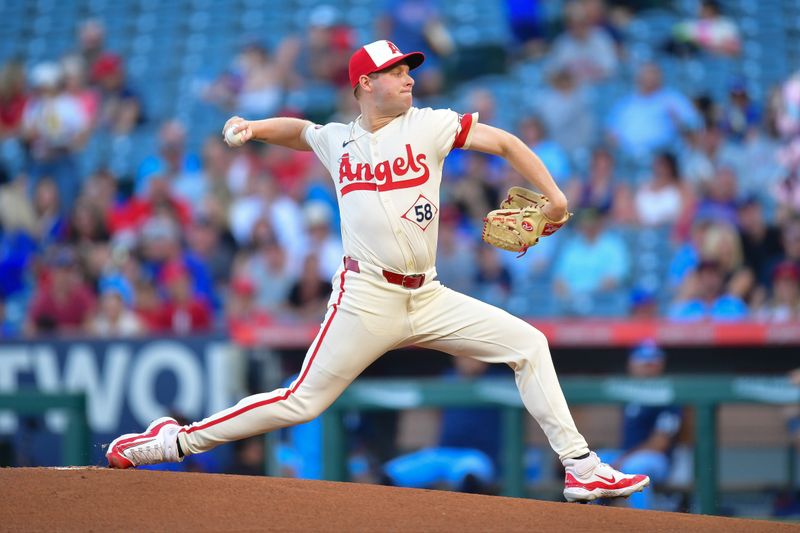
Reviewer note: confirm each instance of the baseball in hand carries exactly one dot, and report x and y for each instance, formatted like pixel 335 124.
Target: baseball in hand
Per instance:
pixel 234 139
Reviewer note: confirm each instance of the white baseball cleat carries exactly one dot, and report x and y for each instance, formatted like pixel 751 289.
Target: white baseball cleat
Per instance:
pixel 158 444
pixel 588 479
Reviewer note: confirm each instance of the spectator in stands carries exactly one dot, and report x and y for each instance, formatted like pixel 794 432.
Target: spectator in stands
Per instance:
pixel 114 316
pixel 255 84
pixel 91 41
pixel 76 84
pixel 587 51
pixel 217 162
pixel 471 192
pixel 649 432
pixel 492 281
pixel 601 188
pixel 787 107
pixel 18 245
pixel 784 303
pixel 565 108
pixel 308 296
pixel 455 262
pixel 264 199
pixel 54 128
pixel 241 310
pixel 161 248
pixel 663 199
pixel 466 454
pixel 593 263
pixel 533 132
pixel 18 242
pixel 719 198
pixel 417 25
pixel 148 304
pixel 741 116
pixel 526 19
pixel 321 54
pixel 321 241
pixel 650 118
pixel 704 297
pixel 50 220
pixel 180 168
pixel 17 212
pixel 708 152
pixel 786 194
pixel 207 244
pixel 721 244
pixel 761 240
pixel 156 201
pixel 183 311
pixel 790 240
pixel 62 302
pixel 120 107
pixel 269 268
pixel 86 225
pixel 13 97
pixel 711 31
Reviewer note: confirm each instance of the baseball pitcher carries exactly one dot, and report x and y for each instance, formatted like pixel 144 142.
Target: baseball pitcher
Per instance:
pixel 387 169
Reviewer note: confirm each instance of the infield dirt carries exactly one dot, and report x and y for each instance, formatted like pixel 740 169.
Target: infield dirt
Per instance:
pixel 100 499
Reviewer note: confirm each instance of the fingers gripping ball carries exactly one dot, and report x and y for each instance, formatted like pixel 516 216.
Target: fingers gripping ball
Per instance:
pixel 520 222
pixel 233 138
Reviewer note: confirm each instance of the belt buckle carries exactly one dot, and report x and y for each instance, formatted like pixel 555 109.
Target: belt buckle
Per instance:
pixel 413 281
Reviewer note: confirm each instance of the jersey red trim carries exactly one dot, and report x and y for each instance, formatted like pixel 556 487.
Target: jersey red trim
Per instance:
pixel 463 132
pixel 294 387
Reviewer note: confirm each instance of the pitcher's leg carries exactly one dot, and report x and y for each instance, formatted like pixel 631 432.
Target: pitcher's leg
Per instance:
pixel 479 330
pixel 344 347
pixel 308 397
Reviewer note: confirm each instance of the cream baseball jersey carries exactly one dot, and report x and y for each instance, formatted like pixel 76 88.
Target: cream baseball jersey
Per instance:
pixel 387 183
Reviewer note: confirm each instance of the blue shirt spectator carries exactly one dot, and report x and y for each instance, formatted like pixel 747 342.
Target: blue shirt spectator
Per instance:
pixel 593 260
pixel 705 297
pixel 181 168
pixel 652 117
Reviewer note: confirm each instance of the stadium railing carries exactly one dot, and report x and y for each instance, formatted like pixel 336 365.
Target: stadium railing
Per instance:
pixel 702 393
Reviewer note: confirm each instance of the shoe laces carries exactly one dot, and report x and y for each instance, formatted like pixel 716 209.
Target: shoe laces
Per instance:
pixel 145 454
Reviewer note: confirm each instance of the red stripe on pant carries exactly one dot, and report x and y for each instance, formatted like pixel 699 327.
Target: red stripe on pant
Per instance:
pixel 296 383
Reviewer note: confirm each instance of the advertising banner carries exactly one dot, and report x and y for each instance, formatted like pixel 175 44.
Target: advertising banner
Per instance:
pixel 128 383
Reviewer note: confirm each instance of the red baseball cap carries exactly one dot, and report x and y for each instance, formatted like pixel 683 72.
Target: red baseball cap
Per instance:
pixel 377 56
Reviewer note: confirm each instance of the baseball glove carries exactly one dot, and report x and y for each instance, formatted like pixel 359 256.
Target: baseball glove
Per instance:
pixel 519 222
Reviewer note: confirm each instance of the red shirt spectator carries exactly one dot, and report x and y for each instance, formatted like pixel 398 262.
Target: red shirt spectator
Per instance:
pixel 183 312
pixel 63 302
pixel 139 209
pixel 12 97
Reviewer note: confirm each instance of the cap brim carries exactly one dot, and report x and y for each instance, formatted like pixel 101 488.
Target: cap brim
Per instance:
pixel 412 59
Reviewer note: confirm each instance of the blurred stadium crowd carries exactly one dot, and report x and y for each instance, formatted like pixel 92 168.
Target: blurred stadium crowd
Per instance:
pixel 673 127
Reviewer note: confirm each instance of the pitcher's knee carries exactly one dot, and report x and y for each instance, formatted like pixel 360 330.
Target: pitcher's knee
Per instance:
pixel 537 339
pixel 305 410
pixel 533 350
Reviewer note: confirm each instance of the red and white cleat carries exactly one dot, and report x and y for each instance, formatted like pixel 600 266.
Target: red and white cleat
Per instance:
pixel 588 479
pixel 158 444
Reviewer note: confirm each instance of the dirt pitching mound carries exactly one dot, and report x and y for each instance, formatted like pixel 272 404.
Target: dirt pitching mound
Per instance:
pixel 99 499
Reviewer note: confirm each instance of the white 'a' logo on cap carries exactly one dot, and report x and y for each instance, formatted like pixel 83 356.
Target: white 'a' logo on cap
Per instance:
pixel 382 51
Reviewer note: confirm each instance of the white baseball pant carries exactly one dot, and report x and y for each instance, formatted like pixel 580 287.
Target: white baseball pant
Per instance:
pixel 366 317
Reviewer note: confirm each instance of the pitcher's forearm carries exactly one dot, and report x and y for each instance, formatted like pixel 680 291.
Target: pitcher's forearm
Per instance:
pixel 283 131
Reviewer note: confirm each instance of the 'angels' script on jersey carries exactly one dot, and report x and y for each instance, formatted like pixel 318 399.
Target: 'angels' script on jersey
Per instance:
pixel 382 177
